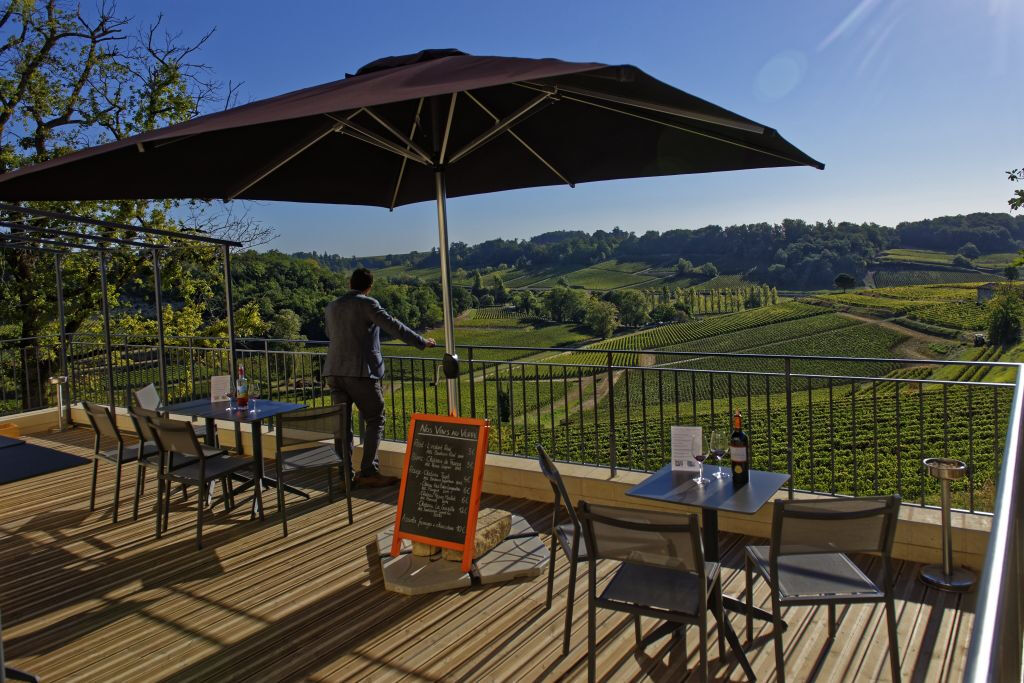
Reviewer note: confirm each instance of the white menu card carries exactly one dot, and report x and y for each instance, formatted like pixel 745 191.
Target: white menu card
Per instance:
pixel 220 388
pixel 686 442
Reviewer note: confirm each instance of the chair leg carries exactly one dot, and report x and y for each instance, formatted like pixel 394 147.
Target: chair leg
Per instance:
pixel 330 485
pixel 257 489
pixel 894 651
pixel 749 571
pixel 140 477
pixel 224 493
pixel 703 627
pixel 158 509
pixel 551 570
pixel 569 600
pixel 200 502
pixel 117 486
pixel 831 621
pixel 780 671
pixel 167 505
pixel 92 494
pixel 280 496
pixel 346 475
pixel 720 617
pixel 591 637
pixel 638 632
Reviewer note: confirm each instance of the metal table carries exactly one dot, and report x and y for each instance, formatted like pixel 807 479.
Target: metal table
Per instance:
pixel 218 410
pixel 678 487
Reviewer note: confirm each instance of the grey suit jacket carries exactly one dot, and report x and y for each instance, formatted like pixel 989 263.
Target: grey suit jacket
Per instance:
pixel 354 322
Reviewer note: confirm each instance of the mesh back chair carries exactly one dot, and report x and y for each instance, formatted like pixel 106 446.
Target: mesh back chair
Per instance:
pixel 567 534
pixel 210 464
pixel 104 425
pixel 662 572
pixel 151 460
pixel 300 438
pixel 806 562
pixel 148 398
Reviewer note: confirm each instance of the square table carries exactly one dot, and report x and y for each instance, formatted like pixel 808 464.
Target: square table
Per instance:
pixel 668 486
pixel 220 410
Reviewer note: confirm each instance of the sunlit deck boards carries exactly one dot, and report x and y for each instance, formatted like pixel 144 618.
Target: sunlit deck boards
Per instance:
pixel 87 600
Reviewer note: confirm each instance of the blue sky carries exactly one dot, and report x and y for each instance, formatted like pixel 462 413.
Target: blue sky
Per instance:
pixel 915 106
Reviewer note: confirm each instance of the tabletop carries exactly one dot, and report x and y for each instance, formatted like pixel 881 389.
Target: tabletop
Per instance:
pixel 678 487
pixel 218 410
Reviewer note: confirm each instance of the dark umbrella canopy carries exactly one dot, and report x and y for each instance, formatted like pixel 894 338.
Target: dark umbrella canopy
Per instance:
pixel 348 142
pixel 412 128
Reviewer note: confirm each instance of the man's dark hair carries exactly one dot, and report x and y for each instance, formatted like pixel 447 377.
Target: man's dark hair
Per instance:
pixel 361 279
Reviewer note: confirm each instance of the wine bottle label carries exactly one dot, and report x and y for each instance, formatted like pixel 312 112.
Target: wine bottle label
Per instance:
pixel 738 454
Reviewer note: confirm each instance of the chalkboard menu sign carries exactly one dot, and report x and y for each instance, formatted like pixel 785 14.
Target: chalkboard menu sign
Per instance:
pixel 440 494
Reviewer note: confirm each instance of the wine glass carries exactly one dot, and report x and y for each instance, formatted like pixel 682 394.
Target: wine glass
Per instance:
pixel 719 451
pixel 254 393
pixel 701 451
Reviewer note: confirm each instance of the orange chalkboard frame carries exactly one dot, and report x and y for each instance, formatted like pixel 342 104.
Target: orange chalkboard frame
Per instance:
pixel 468 543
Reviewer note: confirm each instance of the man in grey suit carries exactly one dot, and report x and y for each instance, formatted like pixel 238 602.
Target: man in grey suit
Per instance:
pixel 354 365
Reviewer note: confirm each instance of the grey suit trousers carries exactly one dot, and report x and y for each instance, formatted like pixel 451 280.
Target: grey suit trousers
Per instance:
pixel 367 395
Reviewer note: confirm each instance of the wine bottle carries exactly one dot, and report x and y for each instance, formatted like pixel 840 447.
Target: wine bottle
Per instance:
pixel 739 453
pixel 242 388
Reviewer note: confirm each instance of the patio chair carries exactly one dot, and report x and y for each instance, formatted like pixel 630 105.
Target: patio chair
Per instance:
pixel 104 425
pixel 210 464
pixel 806 564
pixel 568 535
pixel 662 573
pixel 147 397
pixel 151 459
pixel 312 439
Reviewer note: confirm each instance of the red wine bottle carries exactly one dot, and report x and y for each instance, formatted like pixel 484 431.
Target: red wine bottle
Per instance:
pixel 739 453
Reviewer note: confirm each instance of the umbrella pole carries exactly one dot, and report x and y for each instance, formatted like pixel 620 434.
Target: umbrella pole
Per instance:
pixel 446 286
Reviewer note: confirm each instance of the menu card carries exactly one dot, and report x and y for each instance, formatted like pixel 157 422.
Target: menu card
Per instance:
pixel 686 442
pixel 220 388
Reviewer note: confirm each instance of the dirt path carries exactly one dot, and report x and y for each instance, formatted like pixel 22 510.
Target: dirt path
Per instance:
pixel 911 348
pixel 572 396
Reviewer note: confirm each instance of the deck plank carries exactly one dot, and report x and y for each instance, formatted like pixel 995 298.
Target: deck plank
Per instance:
pixel 85 599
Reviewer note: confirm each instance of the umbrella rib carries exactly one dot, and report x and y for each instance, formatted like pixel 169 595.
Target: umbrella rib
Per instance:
pixel 652 106
pixel 401 170
pixel 407 141
pixel 522 142
pixel 358 132
pixel 442 157
pixel 294 151
pixel 710 136
pixel 528 109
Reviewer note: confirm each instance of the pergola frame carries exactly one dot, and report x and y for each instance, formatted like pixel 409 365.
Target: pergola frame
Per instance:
pixel 29 237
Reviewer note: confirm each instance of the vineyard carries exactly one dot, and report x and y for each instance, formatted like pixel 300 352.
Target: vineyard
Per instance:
pixel 950 305
pixel 899 278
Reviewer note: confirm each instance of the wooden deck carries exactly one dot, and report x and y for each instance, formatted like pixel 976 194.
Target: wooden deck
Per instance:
pixel 84 599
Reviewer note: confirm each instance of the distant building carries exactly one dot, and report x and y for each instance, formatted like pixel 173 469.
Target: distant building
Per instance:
pixel 987 291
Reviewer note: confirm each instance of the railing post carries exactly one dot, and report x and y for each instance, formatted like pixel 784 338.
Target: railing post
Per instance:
pixel 472 389
pixel 789 423
pixel 266 369
pixel 612 455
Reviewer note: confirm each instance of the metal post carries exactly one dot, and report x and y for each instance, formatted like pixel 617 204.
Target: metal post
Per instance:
pixel 446 286
pixel 106 329
pixel 61 323
pixel 230 310
pixel 789 424
pixel 158 300
pixel 612 454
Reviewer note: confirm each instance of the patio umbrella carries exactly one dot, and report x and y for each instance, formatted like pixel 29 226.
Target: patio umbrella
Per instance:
pixel 427 126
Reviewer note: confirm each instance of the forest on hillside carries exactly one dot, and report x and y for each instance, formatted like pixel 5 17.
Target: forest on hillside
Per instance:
pixel 793 254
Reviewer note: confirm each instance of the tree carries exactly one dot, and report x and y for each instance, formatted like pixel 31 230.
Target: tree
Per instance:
pixel 683 267
pixel 633 306
pixel 499 290
pixel 1016 200
pixel 1005 311
pixel 601 317
pixel 478 285
pixel 286 324
pixel 565 305
pixel 845 281
pixel 969 250
pixel 663 313
pixel 961 261
pixel 72 76
pixel 709 270
pixel 1011 272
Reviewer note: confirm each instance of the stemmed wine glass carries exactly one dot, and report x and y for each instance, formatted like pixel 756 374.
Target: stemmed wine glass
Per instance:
pixel 254 393
pixel 719 445
pixel 700 452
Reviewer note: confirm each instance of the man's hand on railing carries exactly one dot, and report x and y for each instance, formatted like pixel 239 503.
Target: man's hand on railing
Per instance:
pixel 431 342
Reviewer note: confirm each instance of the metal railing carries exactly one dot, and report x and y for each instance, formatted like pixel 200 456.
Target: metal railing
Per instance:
pixel 997 638
pixel 837 425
